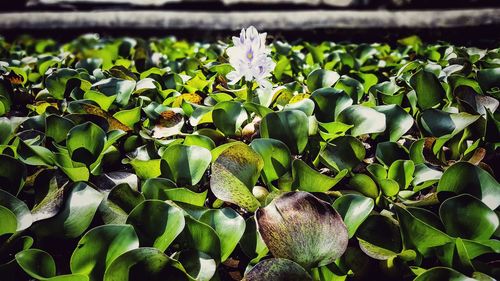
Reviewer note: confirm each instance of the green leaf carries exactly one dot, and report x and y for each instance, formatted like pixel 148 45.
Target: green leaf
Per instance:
pixel 389 187
pixel 332 130
pixel 76 215
pixel 119 202
pixel 12 174
pixel 228 225
pixel 389 152
pixel 37 263
pixel 305 105
pixel 402 172
pixel 290 127
pixel 343 153
pixel 464 177
pixel 69 277
pixel 467 217
pixel 438 123
pixel 156 223
pixel 144 264
pixel 329 103
pixel 379 237
pixel 185 164
pixel 442 273
pixel 429 90
pixel 277 269
pixel 364 184
pixel 18 208
pixel 488 78
pixel 164 189
pixel 201 237
pixel 398 121
pixel 56 81
pixel 353 209
pixel 129 116
pixel 100 246
pixel 199 140
pixel 85 142
pixel 425 176
pixel 321 78
pixel 351 86
pixel 9 221
pixel 234 173
pixel 101 99
pixel 198 265
pixel 365 120
pixel 228 117
pixel 276 156
pixel 419 233
pixel 302 228
pixel 57 127
pixel 114 86
pixel 307 179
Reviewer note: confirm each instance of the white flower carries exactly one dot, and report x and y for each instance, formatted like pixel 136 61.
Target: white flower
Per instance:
pixel 250 58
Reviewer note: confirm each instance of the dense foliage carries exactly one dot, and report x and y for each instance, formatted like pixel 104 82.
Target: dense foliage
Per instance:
pixel 127 159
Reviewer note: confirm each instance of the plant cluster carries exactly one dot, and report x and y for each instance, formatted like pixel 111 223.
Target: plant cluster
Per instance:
pixel 132 159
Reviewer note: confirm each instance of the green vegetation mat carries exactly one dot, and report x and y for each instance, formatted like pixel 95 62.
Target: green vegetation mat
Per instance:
pixel 132 159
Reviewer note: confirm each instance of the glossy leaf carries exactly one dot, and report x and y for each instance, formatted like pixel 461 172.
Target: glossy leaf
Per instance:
pixel 464 177
pixel 365 120
pixel 289 227
pixel 185 164
pixel 354 209
pixel 100 246
pixel 290 127
pixel 467 217
pixel 156 223
pixel 234 173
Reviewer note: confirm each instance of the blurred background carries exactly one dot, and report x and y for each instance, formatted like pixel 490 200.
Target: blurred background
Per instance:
pixel 465 22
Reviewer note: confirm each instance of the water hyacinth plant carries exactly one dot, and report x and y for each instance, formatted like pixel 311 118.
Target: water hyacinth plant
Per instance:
pixel 249 56
pixel 134 159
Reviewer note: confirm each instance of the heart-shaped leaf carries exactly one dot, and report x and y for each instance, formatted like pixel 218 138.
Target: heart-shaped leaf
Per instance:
pixel 365 120
pixel 76 215
pixel 329 103
pixel 291 127
pixel 185 164
pixel 398 121
pixel 302 228
pixel 37 263
pixel 100 246
pixel 307 179
pixel 144 264
pixel 276 156
pixel 420 233
pixel 464 177
pixel 85 142
pixel 156 223
pixel 229 226
pixel 343 153
pixel 321 78
pixel 234 173
pixel 354 209
pixel 429 90
pixel 228 117
pixel 467 217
